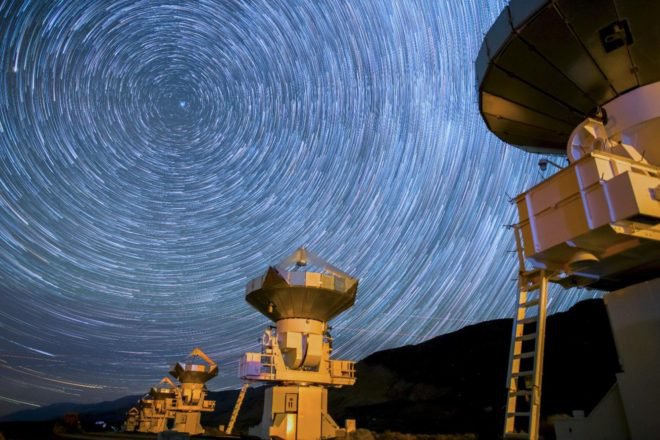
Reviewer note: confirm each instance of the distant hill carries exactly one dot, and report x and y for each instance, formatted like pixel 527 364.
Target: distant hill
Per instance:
pixel 453 383
pixel 57 410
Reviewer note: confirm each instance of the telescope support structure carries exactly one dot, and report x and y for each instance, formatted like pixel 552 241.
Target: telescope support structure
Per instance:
pixel 295 352
pixel 593 91
pixel 191 398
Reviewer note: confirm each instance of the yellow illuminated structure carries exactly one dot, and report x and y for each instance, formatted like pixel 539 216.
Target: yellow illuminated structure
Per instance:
pixel 131 422
pixel 295 354
pixel 156 407
pixel 191 396
pixel 145 416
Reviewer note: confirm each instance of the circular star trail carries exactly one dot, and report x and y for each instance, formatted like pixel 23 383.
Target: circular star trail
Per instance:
pixel 156 155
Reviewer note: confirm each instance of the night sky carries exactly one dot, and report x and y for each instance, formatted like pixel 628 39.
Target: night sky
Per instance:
pixel 156 155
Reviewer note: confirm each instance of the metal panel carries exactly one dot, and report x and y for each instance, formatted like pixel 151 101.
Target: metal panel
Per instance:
pixel 587 18
pixel 532 68
pixel 498 34
pixel 520 134
pixel 550 36
pixel 634 313
pixel 528 96
pixel 523 10
pixel 482 64
pixel 510 110
pixel 642 17
pixel 582 212
pixel 300 302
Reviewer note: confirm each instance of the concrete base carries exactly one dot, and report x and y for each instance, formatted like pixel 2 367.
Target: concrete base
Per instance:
pixel 130 425
pixel 635 318
pixel 629 411
pixel 296 413
pixel 153 425
pixel 188 422
pixel 606 422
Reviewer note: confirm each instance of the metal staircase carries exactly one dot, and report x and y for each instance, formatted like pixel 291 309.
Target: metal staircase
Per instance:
pixel 525 373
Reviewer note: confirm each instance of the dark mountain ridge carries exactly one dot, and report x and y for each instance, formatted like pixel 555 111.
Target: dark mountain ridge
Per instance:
pixel 456 382
pixel 453 383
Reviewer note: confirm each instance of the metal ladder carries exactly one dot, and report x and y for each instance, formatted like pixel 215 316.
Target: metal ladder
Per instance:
pixel 237 408
pixel 523 408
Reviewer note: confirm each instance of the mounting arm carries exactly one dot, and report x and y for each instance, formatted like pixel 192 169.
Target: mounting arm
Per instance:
pixel 199 353
pixel 168 381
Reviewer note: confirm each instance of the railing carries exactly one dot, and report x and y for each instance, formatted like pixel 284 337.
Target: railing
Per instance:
pixel 268 364
pixel 256 366
pixel 342 369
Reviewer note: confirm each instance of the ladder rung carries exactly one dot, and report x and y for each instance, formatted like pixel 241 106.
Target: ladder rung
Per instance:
pixel 521 435
pixel 531 287
pixel 522 373
pixel 528 320
pixel 520 393
pixel 530 303
pixel 528 337
pixel 518 414
pixel 530 273
pixel 527 355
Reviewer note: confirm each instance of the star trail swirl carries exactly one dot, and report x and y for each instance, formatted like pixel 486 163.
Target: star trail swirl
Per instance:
pixel 155 155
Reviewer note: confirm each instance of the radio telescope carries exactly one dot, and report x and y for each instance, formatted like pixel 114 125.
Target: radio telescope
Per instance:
pixel 300 295
pixel 582 78
pixel 191 398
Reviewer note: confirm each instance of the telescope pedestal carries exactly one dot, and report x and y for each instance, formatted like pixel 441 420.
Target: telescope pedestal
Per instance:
pixel 131 423
pixel 629 409
pixel 296 412
pixel 635 318
pixel 188 422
